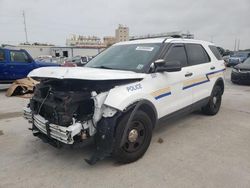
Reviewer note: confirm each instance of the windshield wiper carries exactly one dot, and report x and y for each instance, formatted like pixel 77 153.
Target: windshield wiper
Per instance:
pixel 103 67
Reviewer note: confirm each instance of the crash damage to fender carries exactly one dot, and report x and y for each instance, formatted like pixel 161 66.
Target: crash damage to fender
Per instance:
pixel 67 111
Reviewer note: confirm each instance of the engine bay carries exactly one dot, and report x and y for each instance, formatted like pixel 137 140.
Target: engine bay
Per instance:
pixel 62 102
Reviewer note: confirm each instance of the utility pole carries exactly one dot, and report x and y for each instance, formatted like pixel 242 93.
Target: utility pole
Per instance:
pixel 235 41
pixel 238 44
pixel 25 28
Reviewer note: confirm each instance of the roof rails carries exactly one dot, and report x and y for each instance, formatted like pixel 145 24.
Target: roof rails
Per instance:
pixel 150 37
pixel 164 35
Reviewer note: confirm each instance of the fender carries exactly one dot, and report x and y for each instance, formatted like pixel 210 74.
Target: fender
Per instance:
pixel 124 96
pixel 106 127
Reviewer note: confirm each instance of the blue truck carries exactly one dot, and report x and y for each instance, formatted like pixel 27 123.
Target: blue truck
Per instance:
pixel 16 64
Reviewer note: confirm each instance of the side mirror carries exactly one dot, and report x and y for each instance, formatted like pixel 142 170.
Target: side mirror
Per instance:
pixel 159 62
pixel 170 66
pixel 30 60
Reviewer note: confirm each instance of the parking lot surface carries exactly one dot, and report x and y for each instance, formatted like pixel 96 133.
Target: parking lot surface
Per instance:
pixel 193 151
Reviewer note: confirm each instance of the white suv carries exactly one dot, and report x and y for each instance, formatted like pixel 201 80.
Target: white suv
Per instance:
pixel 124 92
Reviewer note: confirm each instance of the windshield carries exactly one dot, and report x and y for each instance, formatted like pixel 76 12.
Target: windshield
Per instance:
pixel 247 61
pixel 240 55
pixel 133 57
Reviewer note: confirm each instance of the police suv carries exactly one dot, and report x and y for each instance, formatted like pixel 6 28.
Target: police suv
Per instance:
pixel 124 92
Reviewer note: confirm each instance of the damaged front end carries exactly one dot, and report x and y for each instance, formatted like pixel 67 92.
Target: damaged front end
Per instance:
pixel 68 111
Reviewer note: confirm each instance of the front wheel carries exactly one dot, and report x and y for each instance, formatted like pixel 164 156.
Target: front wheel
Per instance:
pixel 138 137
pixel 214 103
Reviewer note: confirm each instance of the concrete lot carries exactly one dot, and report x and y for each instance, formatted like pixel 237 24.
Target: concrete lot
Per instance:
pixel 197 151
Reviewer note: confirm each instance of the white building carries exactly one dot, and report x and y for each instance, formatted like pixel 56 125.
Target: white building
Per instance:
pixel 84 41
pixel 57 51
pixel 67 51
pixel 122 33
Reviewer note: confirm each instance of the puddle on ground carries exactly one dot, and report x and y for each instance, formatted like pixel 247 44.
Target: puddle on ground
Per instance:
pixel 1 132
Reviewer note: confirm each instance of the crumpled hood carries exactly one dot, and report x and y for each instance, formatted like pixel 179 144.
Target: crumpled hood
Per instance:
pixel 243 66
pixel 84 73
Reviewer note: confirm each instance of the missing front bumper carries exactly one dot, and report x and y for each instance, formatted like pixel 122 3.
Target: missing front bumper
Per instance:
pixel 62 134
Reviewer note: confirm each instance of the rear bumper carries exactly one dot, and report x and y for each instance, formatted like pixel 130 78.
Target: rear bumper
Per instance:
pixel 59 133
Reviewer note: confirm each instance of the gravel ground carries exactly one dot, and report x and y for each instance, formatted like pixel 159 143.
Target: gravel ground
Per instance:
pixel 194 151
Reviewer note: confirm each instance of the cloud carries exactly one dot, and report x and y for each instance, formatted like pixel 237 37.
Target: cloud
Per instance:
pixel 54 20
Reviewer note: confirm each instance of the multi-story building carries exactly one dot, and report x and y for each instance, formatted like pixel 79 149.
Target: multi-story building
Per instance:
pixel 84 41
pixel 122 33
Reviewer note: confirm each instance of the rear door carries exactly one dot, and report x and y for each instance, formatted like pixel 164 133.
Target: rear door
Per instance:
pixel 20 64
pixel 200 65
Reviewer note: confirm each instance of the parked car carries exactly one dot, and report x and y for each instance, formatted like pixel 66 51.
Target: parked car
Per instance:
pixel 121 94
pixel 226 59
pixel 77 61
pixel 16 64
pixel 50 59
pixel 241 73
pixel 236 58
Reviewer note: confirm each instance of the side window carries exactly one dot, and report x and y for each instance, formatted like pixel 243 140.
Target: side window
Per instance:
pixel 216 52
pixel 19 56
pixel 2 56
pixel 196 54
pixel 177 53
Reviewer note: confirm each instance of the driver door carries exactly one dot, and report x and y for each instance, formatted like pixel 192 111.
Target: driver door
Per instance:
pixel 20 64
pixel 179 98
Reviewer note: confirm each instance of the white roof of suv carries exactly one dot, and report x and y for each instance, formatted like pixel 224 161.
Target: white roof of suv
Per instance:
pixel 167 40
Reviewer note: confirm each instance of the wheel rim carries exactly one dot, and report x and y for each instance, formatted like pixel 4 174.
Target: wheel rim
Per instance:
pixel 135 137
pixel 216 100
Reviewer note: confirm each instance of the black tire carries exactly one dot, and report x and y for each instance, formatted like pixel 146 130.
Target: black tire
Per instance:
pixel 132 151
pixel 234 82
pixel 214 103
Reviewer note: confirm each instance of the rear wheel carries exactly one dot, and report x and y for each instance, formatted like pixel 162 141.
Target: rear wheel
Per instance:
pixel 138 137
pixel 214 103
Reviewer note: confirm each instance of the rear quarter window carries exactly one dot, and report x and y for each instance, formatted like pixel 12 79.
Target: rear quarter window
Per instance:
pixel 196 54
pixel 216 52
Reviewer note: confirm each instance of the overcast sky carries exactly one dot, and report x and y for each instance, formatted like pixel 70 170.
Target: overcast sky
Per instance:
pixel 52 21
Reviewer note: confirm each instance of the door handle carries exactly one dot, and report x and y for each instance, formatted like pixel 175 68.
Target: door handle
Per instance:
pixel 212 68
pixel 188 74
